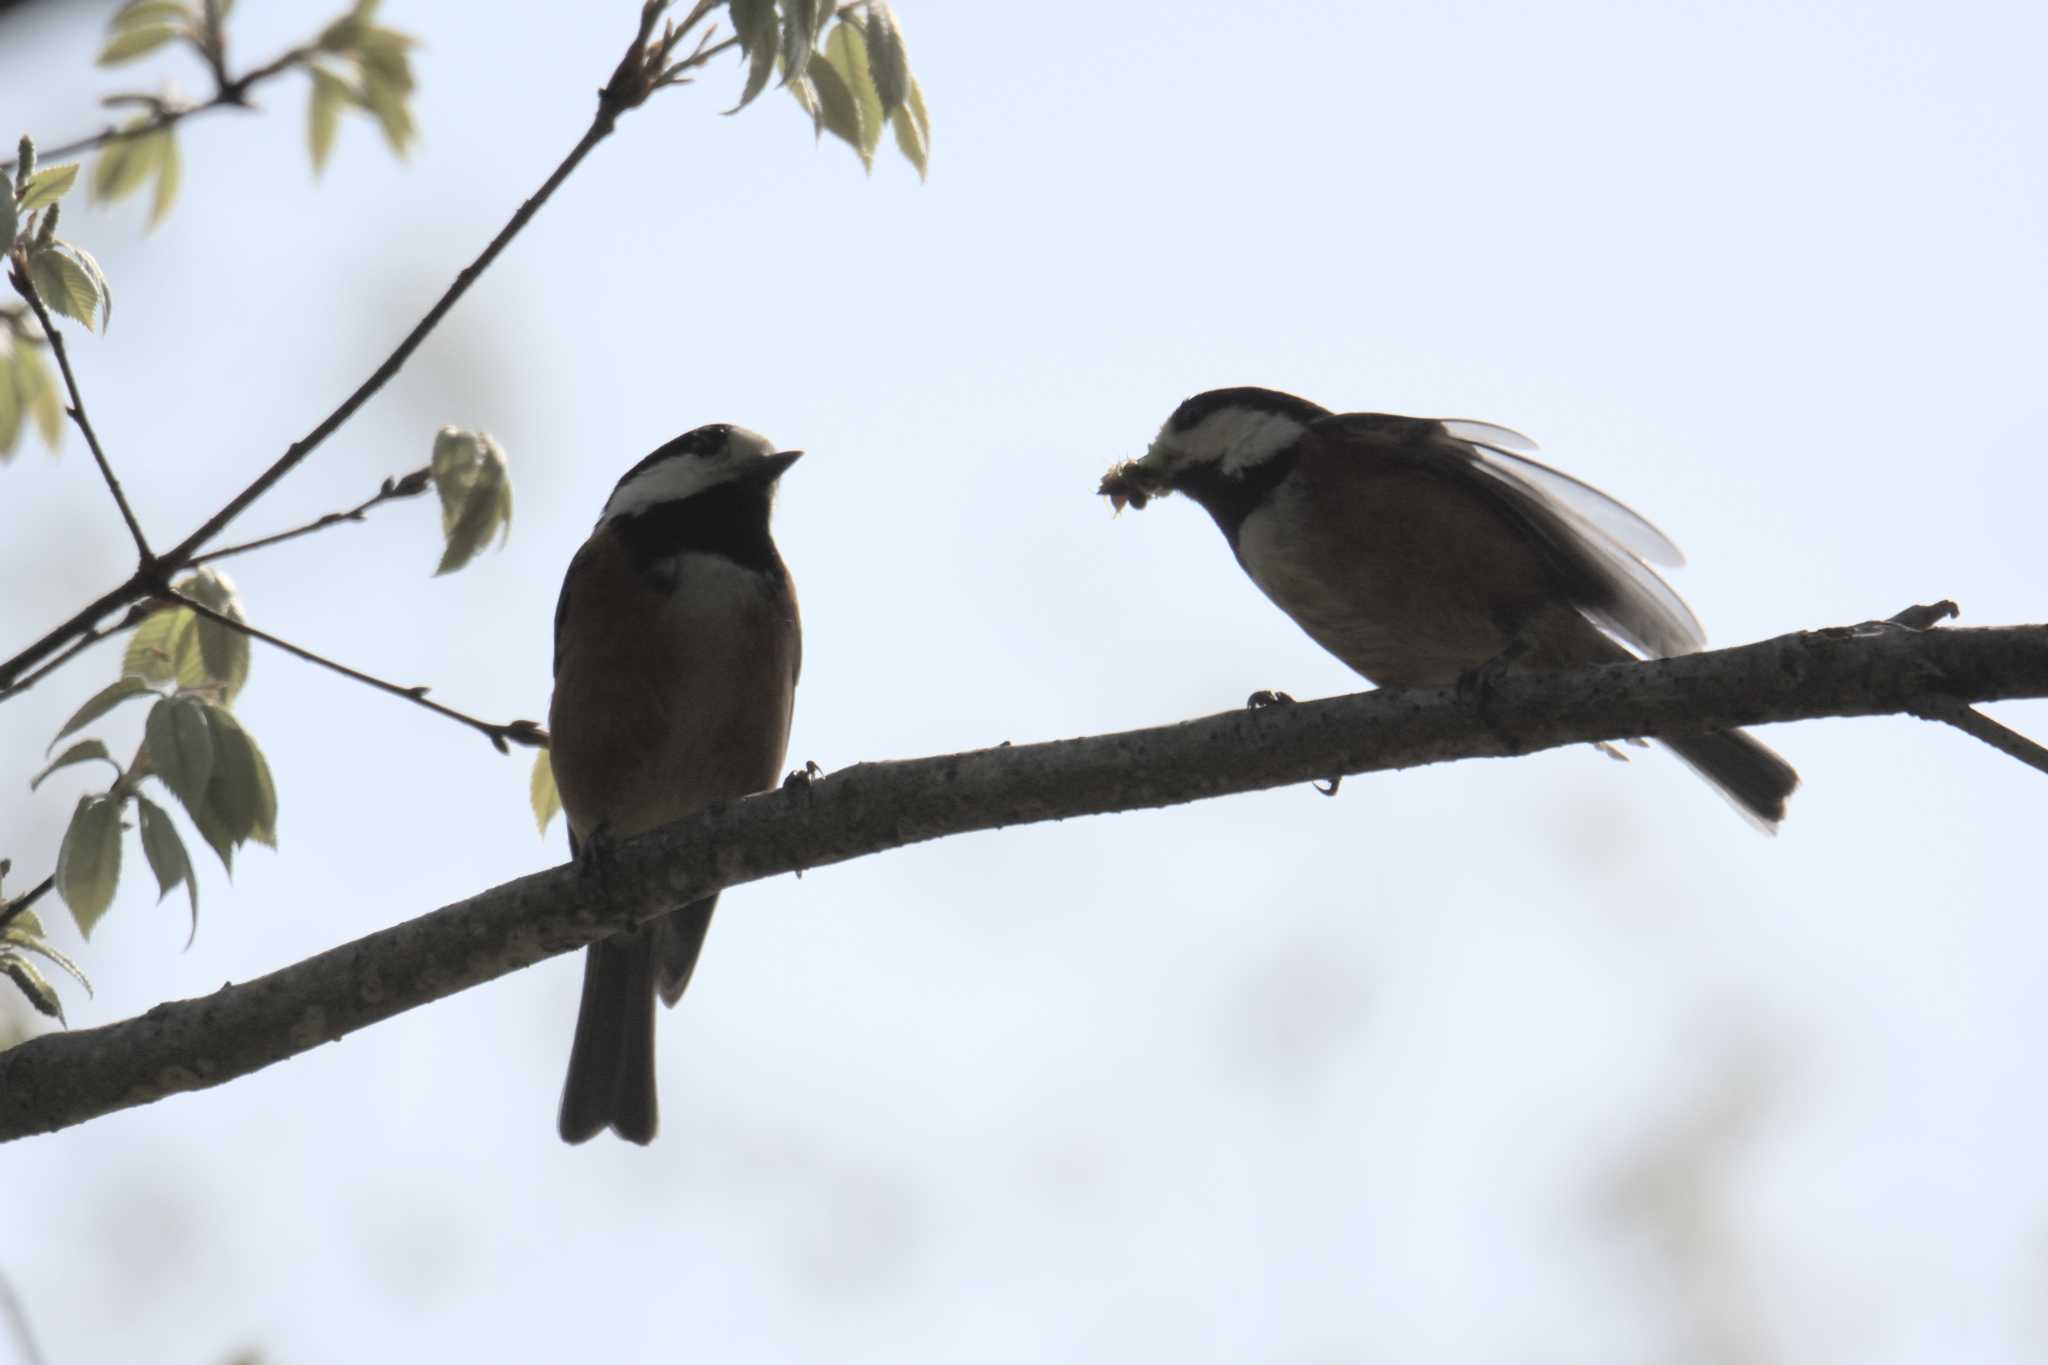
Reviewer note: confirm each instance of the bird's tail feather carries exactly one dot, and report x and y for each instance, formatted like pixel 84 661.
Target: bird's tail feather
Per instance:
pixel 678 938
pixel 611 1063
pixel 1745 770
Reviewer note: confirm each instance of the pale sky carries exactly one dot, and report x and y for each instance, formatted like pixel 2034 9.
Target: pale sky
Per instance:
pixel 1544 1059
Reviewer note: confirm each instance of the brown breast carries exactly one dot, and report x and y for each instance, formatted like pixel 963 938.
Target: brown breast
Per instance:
pixel 687 702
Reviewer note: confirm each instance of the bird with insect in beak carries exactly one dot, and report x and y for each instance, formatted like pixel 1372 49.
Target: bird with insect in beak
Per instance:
pixel 677 647
pixel 1421 551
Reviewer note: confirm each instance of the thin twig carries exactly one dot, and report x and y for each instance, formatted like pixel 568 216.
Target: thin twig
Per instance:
pixel 411 485
pixel 231 94
pixel 600 128
pixel 26 288
pixel 526 732
pixel 84 642
pixel 1976 724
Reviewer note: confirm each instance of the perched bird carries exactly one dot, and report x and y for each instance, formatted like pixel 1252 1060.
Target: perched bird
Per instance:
pixel 676 655
pixel 1418 550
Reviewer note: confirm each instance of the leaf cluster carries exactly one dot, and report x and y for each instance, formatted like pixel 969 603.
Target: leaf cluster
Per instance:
pixel 853 87
pixel 190 668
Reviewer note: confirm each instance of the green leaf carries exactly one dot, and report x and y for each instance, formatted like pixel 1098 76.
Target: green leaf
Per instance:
pixel 541 792
pixel 10 399
pixel 753 23
pixel 89 862
pixel 213 654
pixel 85 751
pixel 165 849
pixel 9 220
pixel 143 13
pixel 242 791
pixel 846 51
pixel 129 44
pixel 181 747
pixel 125 166
pixel 25 932
pixel 330 96
pixel 47 186
pixel 913 129
pixel 469 472
pixel 40 993
pixel 152 652
pixel 799 39
pixel 838 110
pixel 103 701
pixel 170 174
pixel 886 57
pixel 66 284
pixel 37 390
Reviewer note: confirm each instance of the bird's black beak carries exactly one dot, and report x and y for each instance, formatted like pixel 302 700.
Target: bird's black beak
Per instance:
pixel 769 468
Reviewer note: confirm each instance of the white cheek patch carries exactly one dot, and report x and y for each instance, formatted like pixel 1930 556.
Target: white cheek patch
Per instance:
pixel 673 479
pixel 685 475
pixel 1232 439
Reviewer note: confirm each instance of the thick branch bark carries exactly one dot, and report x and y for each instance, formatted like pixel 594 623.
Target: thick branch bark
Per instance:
pixel 65 1078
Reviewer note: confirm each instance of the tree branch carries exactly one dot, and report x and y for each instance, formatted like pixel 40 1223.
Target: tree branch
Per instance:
pixel 525 732
pixel 26 288
pixel 61 1079
pixel 412 485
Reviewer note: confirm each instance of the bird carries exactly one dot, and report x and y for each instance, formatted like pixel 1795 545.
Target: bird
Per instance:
pixel 1434 552
pixel 677 649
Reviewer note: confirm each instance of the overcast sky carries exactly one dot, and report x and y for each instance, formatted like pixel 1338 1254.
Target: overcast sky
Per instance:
pixel 1545 1059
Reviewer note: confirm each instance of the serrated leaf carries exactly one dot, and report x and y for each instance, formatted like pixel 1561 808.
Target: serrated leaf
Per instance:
pixel 799 39
pixel 323 113
pixel 37 389
pixel 838 110
pixel 85 751
pixel 40 993
pixel 754 24
pixel 128 44
pixel 29 938
pixel 89 862
pixel 241 792
pixel 181 747
pixel 846 51
pixel 103 701
pixel 165 849
pixel 913 129
pixel 486 508
pixel 47 186
pixel 886 57
pixel 170 174
pixel 124 167
pixel 65 284
pixel 540 791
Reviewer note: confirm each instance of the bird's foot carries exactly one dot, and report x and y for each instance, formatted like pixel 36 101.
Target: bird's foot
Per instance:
pixel 1262 700
pixel 800 780
pixel 596 854
pixel 1475 687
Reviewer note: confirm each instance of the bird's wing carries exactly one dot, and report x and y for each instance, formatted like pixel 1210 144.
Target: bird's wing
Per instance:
pixel 1597 565
pixel 1512 454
